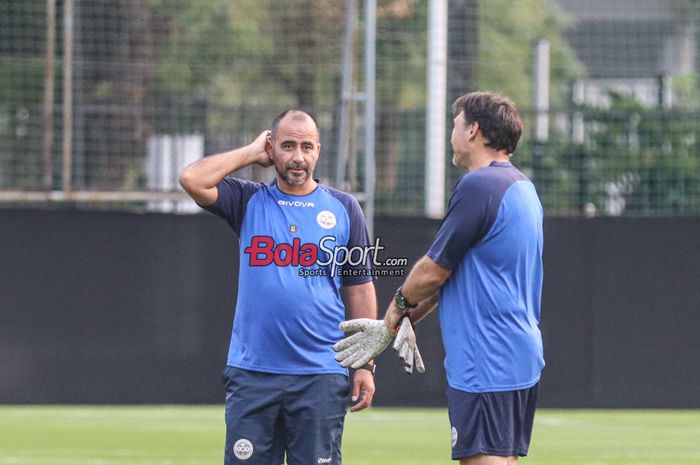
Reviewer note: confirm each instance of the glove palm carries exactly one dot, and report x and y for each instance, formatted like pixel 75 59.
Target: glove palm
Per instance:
pixel 370 339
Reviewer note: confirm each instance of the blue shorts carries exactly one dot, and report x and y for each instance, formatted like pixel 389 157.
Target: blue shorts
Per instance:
pixel 270 415
pixel 491 423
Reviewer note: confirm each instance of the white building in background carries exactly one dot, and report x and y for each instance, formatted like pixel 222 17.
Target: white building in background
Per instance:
pixel 167 156
pixel 635 47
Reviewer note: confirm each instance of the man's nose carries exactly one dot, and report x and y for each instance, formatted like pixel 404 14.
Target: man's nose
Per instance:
pixel 298 155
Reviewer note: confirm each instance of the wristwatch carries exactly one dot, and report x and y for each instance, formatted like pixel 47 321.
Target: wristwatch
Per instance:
pixel 372 367
pixel 401 301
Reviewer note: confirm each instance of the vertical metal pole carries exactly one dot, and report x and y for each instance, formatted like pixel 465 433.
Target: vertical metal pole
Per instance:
pixel 77 103
pixel 436 110
pixel 665 92
pixel 346 107
pixel 541 99
pixel 542 90
pixel 370 61
pixel 48 92
pixel 578 98
pixel 67 94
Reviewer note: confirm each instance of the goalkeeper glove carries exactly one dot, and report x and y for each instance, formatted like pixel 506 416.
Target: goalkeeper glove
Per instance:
pixel 407 348
pixel 370 339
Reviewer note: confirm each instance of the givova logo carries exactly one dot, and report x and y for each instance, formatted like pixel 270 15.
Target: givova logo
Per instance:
pixel 295 203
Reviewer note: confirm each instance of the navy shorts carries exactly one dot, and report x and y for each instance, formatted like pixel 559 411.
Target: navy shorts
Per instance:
pixel 491 423
pixel 269 416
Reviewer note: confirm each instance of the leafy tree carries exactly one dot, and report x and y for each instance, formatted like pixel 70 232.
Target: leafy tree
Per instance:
pixel 508 32
pixel 22 44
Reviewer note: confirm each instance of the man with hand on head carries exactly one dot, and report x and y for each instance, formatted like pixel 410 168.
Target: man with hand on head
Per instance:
pixel 484 269
pixel 285 394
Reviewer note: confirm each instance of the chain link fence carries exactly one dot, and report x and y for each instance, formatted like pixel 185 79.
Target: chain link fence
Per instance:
pixel 115 97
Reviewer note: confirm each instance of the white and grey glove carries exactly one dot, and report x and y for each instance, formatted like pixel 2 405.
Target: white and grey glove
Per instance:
pixel 405 345
pixel 370 339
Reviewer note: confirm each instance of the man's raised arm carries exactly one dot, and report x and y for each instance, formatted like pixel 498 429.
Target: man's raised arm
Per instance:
pixel 201 177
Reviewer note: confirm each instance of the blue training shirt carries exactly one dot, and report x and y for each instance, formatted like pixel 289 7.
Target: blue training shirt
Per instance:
pixel 287 323
pixel 491 237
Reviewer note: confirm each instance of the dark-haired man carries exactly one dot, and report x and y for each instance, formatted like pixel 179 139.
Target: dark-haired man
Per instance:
pixel 285 393
pixel 484 269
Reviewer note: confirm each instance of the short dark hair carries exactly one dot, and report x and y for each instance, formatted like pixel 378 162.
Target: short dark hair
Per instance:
pixel 278 118
pixel 498 118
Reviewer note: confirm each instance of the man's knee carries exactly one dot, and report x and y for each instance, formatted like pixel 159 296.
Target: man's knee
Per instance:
pixel 488 460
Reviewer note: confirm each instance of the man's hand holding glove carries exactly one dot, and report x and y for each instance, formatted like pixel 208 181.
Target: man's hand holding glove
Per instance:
pixel 371 338
pixel 405 344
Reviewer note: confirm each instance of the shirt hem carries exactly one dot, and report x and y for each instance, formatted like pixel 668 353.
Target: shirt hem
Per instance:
pixel 463 453
pixel 293 371
pixel 440 261
pixel 481 390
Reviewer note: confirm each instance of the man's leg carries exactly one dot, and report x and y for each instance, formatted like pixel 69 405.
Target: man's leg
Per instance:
pixel 491 428
pixel 253 420
pixel 314 413
pixel 488 460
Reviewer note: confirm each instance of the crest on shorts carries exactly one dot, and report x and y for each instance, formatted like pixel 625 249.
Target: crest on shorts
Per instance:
pixel 243 449
pixel 454 436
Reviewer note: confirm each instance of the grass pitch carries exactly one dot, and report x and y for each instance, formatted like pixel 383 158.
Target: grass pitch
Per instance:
pixel 185 435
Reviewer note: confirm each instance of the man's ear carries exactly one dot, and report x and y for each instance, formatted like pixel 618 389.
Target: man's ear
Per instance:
pixel 268 146
pixel 472 130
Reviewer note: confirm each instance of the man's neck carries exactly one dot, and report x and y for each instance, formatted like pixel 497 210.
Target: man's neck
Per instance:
pixel 291 189
pixel 487 157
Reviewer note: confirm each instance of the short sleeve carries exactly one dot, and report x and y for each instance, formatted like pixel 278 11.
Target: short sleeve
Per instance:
pixel 232 199
pixel 471 213
pixel 357 237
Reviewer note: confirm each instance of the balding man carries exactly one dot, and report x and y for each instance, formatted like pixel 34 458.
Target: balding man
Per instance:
pixel 285 393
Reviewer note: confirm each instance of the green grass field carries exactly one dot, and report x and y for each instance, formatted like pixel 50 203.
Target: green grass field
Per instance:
pixel 182 435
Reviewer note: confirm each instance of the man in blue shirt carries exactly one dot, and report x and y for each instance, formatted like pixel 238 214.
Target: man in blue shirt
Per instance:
pixel 484 270
pixel 285 393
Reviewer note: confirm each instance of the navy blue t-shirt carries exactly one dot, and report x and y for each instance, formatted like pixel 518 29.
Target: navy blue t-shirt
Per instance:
pixel 491 237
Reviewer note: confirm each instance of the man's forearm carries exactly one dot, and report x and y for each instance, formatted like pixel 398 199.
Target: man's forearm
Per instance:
pixel 209 171
pixel 361 301
pixel 425 307
pixel 424 281
pixel 201 177
pixel 420 288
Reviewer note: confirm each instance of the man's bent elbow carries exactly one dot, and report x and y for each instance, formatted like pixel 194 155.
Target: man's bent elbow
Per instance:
pixel 186 180
pixel 436 274
pixel 199 193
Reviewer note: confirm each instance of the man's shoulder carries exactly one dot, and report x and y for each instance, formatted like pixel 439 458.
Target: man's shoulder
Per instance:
pixel 239 189
pixel 243 183
pixel 345 198
pixel 479 181
pixel 491 179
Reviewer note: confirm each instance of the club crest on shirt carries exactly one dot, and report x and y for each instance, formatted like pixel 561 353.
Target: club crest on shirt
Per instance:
pixel 293 228
pixel 326 219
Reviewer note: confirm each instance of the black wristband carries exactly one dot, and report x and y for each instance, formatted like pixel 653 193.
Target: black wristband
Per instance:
pixel 371 367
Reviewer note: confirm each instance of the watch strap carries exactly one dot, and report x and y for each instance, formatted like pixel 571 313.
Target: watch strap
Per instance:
pixel 371 367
